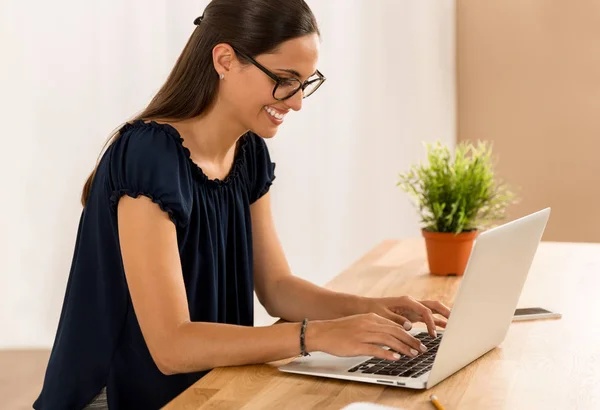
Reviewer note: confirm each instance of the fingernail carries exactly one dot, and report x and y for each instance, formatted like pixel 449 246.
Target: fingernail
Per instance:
pixel 396 356
pixel 423 348
pixel 414 352
pixel 434 333
pixel 407 325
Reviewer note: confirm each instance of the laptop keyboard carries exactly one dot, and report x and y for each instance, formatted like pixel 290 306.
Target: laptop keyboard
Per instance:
pixel 406 366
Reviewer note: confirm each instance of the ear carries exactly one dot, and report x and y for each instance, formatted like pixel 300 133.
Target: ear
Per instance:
pixel 223 58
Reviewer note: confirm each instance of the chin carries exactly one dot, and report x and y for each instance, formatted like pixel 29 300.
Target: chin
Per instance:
pixel 265 132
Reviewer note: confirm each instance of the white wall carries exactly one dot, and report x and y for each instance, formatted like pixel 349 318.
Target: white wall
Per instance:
pixel 72 71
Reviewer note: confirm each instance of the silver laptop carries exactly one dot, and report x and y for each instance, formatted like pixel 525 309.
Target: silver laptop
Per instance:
pixel 483 310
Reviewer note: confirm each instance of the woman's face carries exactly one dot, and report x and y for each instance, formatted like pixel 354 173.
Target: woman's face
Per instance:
pixel 248 91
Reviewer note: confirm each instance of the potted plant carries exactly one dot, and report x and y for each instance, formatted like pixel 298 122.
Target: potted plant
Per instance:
pixel 457 197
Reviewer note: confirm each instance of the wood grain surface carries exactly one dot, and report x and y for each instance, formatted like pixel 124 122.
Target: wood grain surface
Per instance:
pixel 544 364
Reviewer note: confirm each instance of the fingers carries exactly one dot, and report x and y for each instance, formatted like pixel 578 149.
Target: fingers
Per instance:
pixel 401 320
pixel 389 327
pixel 427 318
pixel 426 315
pixel 416 311
pixel 404 337
pixel 394 319
pixel 375 331
pixel 410 310
pixel 391 342
pixel 379 352
pixel 437 307
pixel 440 322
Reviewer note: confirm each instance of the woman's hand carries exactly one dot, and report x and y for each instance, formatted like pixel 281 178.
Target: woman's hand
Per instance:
pixel 404 310
pixel 362 335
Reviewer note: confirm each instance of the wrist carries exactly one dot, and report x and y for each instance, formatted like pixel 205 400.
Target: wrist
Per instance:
pixel 363 305
pixel 312 335
pixel 350 305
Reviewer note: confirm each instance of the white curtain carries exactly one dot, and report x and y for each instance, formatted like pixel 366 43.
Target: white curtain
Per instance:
pixel 72 71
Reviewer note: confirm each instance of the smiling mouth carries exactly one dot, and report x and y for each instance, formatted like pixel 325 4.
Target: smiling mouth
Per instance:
pixel 274 113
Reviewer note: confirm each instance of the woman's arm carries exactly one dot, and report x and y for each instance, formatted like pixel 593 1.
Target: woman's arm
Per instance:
pixel 283 294
pixel 293 299
pixel 153 272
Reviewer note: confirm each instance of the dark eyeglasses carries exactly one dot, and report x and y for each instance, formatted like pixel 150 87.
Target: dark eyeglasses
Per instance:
pixel 287 87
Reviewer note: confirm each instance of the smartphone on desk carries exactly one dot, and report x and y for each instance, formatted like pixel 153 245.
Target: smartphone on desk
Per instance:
pixel 534 313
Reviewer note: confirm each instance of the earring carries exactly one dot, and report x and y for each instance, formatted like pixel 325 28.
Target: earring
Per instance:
pixel 222 76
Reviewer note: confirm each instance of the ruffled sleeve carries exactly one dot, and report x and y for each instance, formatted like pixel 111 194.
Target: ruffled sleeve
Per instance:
pixel 148 160
pixel 262 168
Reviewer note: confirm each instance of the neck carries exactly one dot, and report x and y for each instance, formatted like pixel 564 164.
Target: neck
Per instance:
pixel 211 136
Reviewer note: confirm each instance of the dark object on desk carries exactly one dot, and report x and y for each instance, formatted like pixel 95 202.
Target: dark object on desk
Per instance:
pixel 534 313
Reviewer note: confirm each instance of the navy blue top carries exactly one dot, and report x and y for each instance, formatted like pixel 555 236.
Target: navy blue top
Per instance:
pixel 98 341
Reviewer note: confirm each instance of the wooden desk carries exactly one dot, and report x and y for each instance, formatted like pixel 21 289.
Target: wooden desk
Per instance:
pixel 551 364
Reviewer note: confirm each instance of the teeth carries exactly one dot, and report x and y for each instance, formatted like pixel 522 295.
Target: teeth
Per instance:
pixel 274 113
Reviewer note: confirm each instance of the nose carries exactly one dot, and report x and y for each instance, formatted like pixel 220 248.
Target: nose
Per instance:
pixel 295 101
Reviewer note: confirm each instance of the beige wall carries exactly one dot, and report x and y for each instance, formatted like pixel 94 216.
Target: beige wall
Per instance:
pixel 529 80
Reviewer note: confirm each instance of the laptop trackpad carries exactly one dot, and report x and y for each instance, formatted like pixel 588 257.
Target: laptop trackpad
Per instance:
pixel 323 362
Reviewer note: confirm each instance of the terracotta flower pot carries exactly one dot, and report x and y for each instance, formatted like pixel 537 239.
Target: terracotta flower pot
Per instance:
pixel 448 253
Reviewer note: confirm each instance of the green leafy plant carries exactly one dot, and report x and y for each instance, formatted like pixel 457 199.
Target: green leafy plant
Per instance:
pixel 457 193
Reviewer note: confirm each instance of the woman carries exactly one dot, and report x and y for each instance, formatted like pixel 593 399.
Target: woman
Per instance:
pixel 176 231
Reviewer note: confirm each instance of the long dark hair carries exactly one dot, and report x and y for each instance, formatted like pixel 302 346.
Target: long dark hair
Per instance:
pixel 251 26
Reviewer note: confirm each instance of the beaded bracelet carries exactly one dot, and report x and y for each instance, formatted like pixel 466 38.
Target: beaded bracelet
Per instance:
pixel 303 337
